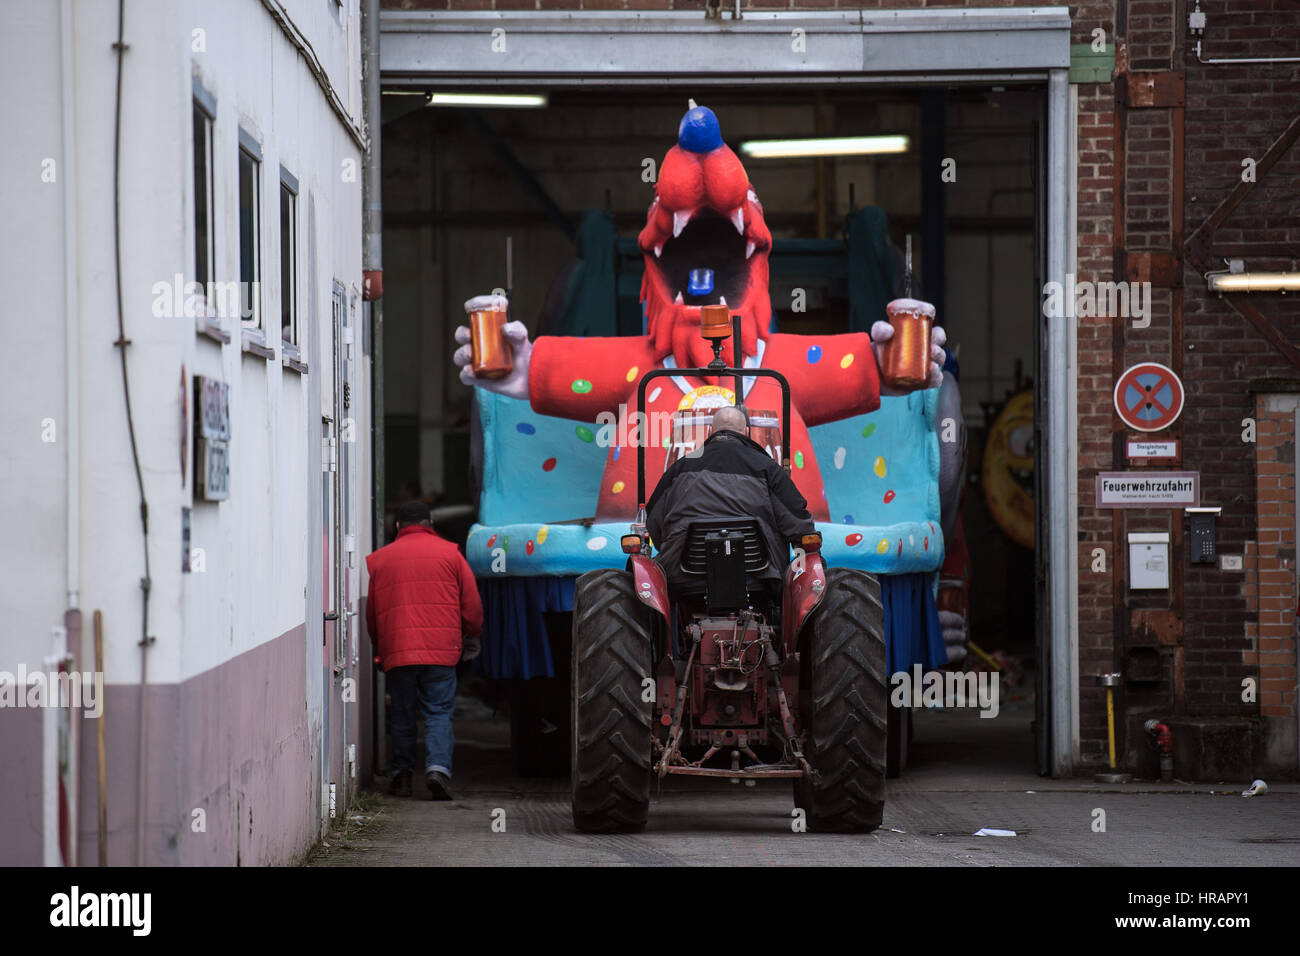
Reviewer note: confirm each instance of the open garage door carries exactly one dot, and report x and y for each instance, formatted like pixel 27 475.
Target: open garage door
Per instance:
pixel 814 65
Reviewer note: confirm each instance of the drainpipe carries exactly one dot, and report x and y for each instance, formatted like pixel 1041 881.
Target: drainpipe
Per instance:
pixel 372 264
pixel 72 397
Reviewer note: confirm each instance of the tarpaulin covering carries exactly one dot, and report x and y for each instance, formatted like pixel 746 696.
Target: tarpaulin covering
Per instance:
pixel 871 267
pixel 913 634
pixel 514 642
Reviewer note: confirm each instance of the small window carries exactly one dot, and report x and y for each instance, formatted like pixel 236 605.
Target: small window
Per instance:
pixel 288 260
pixel 250 236
pixel 203 237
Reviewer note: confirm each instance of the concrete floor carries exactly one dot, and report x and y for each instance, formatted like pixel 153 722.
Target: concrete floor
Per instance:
pixel 965 773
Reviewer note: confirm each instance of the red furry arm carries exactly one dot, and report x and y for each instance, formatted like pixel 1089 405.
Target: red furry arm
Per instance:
pixel 578 378
pixel 841 383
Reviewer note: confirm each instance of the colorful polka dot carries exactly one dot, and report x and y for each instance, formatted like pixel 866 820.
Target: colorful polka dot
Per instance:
pixel 525 429
pixel 666 442
pixel 900 547
pixel 883 546
pixel 617 487
pixel 618 450
pixel 848 519
pixel 585 433
pixel 840 454
pixel 542 532
pixel 889 496
pixel 548 465
pixel 852 539
pixel 846 361
pixel 528 548
pixel 505 543
pixel 596 543
pixel 654 394
pixel 879 466
pixel 492 540
pixel 581 386
pixel 869 430
pixel 814 354
pixel 798 459
pixel 631 373
pixel 926 542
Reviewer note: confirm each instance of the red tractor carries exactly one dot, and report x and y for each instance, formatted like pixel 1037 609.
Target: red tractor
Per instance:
pixel 728 676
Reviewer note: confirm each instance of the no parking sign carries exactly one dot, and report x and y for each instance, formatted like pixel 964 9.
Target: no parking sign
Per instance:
pixel 1149 397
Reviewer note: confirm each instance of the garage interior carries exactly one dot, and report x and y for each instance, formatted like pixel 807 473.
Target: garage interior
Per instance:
pixel 459 182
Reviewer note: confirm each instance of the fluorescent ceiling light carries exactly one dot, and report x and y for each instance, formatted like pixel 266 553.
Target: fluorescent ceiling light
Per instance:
pixel 1254 281
pixel 836 146
pixel 488 99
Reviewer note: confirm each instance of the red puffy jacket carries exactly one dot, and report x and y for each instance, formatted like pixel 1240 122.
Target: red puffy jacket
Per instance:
pixel 422 599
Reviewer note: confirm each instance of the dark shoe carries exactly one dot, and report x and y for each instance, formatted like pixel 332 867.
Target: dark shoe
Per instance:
pixel 439 785
pixel 401 785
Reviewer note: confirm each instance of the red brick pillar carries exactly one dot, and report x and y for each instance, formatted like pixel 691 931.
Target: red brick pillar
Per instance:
pixel 1270 582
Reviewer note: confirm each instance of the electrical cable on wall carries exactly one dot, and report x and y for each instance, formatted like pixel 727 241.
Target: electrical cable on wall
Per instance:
pixel 122 342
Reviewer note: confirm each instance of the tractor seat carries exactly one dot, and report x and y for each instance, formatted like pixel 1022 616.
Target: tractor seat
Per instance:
pixel 723 560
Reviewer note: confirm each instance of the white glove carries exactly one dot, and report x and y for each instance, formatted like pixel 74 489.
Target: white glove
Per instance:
pixel 514 385
pixel 882 332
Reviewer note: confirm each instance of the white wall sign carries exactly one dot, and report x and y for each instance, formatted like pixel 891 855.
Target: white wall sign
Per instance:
pixel 213 401
pixel 1153 449
pixel 212 469
pixel 1149 489
pixel 211 439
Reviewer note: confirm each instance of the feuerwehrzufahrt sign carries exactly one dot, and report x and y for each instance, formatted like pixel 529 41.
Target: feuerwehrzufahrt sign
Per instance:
pixel 1149 489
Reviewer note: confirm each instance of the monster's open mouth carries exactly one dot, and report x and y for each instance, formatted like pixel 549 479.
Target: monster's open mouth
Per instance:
pixel 714 249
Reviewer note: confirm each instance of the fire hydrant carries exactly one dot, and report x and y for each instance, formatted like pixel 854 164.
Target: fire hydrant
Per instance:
pixel 1164 741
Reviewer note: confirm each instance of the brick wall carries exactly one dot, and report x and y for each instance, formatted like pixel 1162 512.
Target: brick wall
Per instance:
pixel 1235 112
pixel 1269 590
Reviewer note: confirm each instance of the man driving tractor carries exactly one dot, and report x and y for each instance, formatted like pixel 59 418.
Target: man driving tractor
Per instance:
pixel 730 475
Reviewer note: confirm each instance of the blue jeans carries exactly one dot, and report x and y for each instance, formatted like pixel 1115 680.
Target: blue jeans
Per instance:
pixel 433 688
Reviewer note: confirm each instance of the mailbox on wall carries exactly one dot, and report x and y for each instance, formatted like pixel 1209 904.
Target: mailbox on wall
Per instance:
pixel 1148 560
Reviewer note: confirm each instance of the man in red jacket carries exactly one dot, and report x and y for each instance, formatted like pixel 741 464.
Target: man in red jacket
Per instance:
pixel 423 610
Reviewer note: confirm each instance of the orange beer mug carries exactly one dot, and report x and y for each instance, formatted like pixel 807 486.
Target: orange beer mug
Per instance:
pixel 490 352
pixel 905 359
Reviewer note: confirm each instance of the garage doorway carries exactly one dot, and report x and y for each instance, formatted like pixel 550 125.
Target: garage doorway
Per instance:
pixel 585 151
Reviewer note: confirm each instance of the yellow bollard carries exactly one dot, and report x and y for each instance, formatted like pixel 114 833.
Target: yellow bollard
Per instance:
pixel 1110 682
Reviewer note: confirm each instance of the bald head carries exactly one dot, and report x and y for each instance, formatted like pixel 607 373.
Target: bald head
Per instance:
pixel 730 419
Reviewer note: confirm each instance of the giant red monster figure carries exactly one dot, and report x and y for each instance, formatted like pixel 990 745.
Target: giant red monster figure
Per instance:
pixel 705 216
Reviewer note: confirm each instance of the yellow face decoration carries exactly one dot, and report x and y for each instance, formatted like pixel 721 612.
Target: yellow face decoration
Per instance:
pixel 1008 472
pixel 707 396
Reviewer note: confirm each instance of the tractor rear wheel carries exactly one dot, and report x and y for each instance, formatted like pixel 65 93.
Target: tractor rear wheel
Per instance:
pixel 844 701
pixel 612 730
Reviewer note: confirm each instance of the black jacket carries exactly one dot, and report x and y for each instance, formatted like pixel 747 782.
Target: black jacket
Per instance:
pixel 729 476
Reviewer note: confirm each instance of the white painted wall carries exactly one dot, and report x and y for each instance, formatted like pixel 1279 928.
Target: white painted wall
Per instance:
pixel 257 543
pixel 32 471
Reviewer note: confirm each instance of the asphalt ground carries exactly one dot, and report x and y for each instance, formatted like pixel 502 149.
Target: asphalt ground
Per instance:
pixel 965 773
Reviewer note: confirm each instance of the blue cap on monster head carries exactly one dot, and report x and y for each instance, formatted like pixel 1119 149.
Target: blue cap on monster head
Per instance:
pixel 699 131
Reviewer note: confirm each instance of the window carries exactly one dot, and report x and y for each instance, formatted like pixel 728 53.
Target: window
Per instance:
pixel 250 235
pixel 209 320
pixel 203 239
pixel 288 260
